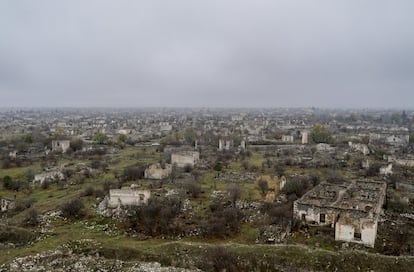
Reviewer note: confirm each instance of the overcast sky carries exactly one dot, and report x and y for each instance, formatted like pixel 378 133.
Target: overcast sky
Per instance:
pixel 235 53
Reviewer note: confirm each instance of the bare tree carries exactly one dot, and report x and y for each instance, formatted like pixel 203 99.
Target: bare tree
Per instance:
pixel 72 208
pixel 235 192
pixel 31 218
pixel 264 186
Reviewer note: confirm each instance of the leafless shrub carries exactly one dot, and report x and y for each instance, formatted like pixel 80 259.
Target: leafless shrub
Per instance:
pixel 72 208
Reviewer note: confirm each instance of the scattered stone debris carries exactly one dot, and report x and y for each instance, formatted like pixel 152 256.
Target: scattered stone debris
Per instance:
pixel 158 171
pixel 187 206
pixel 156 267
pixel 237 177
pixel 274 234
pixel 63 260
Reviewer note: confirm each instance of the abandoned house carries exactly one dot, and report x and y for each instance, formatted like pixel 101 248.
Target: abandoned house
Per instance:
pixel 128 197
pixel 352 208
pixel 185 158
pixel 158 171
pixel 409 162
pixel 398 140
pixel 386 170
pixel 287 138
pixel 13 154
pixel 124 131
pixel 7 204
pixel 165 126
pixel 275 185
pixel 363 148
pixel 242 145
pixel 60 145
pixel 50 176
pixel 324 147
pixel 224 145
pixel 305 137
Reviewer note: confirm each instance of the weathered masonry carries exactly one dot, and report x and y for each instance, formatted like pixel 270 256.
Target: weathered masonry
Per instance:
pixel 185 158
pixel 352 208
pixel 128 197
pixel 7 204
pixel 60 145
pixel 158 171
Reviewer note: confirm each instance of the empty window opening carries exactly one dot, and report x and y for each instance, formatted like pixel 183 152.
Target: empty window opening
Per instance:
pixel 141 197
pixel 322 218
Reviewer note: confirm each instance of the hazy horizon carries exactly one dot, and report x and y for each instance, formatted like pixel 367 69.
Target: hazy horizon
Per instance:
pixel 215 54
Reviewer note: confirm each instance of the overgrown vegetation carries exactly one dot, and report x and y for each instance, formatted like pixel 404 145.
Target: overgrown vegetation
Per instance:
pixel 215 202
pixel 74 208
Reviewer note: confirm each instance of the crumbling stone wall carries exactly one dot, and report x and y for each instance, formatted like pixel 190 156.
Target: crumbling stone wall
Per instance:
pixel 128 197
pixel 353 209
pixel 185 158
pixel 156 171
pixel 60 145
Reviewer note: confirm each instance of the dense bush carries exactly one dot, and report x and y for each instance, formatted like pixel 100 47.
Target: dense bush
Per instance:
pixel 156 218
pixel 234 192
pixel 23 204
pixel 72 208
pixel 31 218
pixel 279 214
pixel 193 188
pixel 76 144
pixel 263 186
pixel 90 191
pixel 45 185
pixel 222 221
pixel 133 172
pixel 107 185
pixel 13 185
pixel 320 134
pixel 219 258
pixel 17 236
pixel 397 206
pixel 297 187
pixel 373 170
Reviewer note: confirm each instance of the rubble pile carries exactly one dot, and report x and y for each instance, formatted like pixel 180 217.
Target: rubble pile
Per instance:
pixel 59 260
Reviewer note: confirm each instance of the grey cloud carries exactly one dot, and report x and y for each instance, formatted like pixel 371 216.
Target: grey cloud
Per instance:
pixel 207 53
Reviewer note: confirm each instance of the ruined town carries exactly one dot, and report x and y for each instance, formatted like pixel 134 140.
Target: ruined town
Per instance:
pixel 197 189
pixel 216 136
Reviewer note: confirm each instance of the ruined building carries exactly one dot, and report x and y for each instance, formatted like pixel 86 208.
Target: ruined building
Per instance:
pixel 352 208
pixel 60 145
pixel 7 204
pixel 128 197
pixel 287 138
pixel 363 148
pixel 158 171
pixel 224 145
pixel 243 145
pixel 185 158
pixel 49 176
pixel 305 137
pixel 275 185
